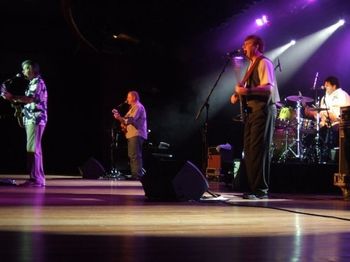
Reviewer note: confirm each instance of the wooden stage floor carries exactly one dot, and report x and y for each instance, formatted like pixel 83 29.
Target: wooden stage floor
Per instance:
pixel 74 219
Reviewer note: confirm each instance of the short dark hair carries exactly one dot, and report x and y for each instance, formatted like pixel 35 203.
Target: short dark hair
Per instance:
pixel 34 65
pixel 257 41
pixel 333 81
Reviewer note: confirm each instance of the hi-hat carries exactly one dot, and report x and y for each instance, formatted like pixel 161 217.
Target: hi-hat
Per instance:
pixel 303 99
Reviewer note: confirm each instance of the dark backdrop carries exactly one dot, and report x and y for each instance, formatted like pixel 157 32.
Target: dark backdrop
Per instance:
pixel 171 46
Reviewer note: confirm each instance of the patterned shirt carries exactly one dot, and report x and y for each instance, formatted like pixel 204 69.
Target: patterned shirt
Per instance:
pixel 36 112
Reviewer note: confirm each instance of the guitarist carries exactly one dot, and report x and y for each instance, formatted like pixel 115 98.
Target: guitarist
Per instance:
pixel 134 125
pixel 260 93
pixel 34 119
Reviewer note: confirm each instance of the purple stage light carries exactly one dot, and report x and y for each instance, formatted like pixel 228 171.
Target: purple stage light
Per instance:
pixel 259 22
pixel 262 21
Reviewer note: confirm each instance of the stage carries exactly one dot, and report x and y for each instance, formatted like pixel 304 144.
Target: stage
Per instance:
pixel 75 219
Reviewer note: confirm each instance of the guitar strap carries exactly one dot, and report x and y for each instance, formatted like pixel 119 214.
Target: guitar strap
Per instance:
pixel 251 69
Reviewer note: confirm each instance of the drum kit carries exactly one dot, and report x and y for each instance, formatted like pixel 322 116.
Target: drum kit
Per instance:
pixel 297 137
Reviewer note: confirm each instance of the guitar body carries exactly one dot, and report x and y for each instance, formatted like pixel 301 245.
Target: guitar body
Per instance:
pixel 18 113
pixel 243 108
pixel 17 107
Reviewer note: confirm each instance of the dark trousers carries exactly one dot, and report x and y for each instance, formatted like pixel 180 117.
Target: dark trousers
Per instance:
pixel 258 132
pixel 135 145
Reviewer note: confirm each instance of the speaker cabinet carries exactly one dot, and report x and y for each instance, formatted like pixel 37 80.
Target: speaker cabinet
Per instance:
pixel 92 169
pixel 171 180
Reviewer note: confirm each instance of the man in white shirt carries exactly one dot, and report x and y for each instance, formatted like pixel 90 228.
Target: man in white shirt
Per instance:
pixel 334 98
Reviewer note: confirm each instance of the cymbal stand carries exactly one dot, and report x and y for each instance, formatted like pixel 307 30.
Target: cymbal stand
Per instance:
pixel 299 147
pixel 317 138
pixel 287 148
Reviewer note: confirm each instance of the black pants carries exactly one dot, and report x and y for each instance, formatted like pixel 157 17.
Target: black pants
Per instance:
pixel 258 132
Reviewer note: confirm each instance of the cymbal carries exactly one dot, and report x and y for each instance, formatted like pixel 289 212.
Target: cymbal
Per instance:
pixel 279 104
pixel 303 99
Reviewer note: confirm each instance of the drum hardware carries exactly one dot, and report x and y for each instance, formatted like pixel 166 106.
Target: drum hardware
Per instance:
pixel 301 147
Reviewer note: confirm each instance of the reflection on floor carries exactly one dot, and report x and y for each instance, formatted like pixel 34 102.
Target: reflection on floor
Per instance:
pixel 105 220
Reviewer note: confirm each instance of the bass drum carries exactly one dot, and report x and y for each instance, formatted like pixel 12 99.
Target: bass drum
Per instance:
pixel 282 138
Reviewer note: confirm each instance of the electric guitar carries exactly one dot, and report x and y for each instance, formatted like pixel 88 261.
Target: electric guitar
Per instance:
pixel 17 107
pixel 121 119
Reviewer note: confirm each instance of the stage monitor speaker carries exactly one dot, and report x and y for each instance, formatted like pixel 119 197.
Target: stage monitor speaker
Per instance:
pixel 92 169
pixel 187 184
pixel 190 183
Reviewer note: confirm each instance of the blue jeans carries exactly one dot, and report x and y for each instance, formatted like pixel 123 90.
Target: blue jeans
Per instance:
pixel 34 152
pixel 135 156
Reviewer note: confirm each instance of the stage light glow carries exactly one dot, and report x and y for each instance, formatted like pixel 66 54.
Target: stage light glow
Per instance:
pixel 273 54
pixel 306 47
pixel 259 22
pixel 341 22
pixel 263 20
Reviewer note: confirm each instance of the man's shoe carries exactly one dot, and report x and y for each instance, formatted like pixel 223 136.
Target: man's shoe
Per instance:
pixel 30 183
pixel 249 196
pixel 262 196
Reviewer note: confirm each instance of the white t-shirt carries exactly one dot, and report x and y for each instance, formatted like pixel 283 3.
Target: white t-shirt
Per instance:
pixel 333 102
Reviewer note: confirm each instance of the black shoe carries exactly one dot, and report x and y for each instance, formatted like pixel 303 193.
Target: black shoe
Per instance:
pixel 262 196
pixel 30 183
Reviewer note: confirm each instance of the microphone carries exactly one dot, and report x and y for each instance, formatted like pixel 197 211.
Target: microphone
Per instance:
pixel 236 52
pixel 10 80
pixel 323 87
pixel 122 103
pixel 279 65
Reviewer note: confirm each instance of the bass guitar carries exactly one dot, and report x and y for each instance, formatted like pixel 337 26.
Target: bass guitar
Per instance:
pixel 17 107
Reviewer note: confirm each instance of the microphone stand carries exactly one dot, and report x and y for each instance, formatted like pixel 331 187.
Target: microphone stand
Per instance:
pixel 206 105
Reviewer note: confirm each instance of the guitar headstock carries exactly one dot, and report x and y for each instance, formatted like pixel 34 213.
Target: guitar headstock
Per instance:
pixel 2 89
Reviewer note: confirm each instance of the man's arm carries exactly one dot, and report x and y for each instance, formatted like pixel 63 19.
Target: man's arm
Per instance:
pixel 17 99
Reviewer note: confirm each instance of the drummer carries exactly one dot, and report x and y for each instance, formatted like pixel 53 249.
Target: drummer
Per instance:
pixel 334 98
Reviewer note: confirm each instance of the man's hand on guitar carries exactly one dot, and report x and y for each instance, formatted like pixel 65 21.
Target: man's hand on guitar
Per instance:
pixel 240 90
pixel 117 115
pixel 234 98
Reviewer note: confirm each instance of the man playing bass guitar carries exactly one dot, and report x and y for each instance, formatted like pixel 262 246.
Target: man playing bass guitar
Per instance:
pixel 261 93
